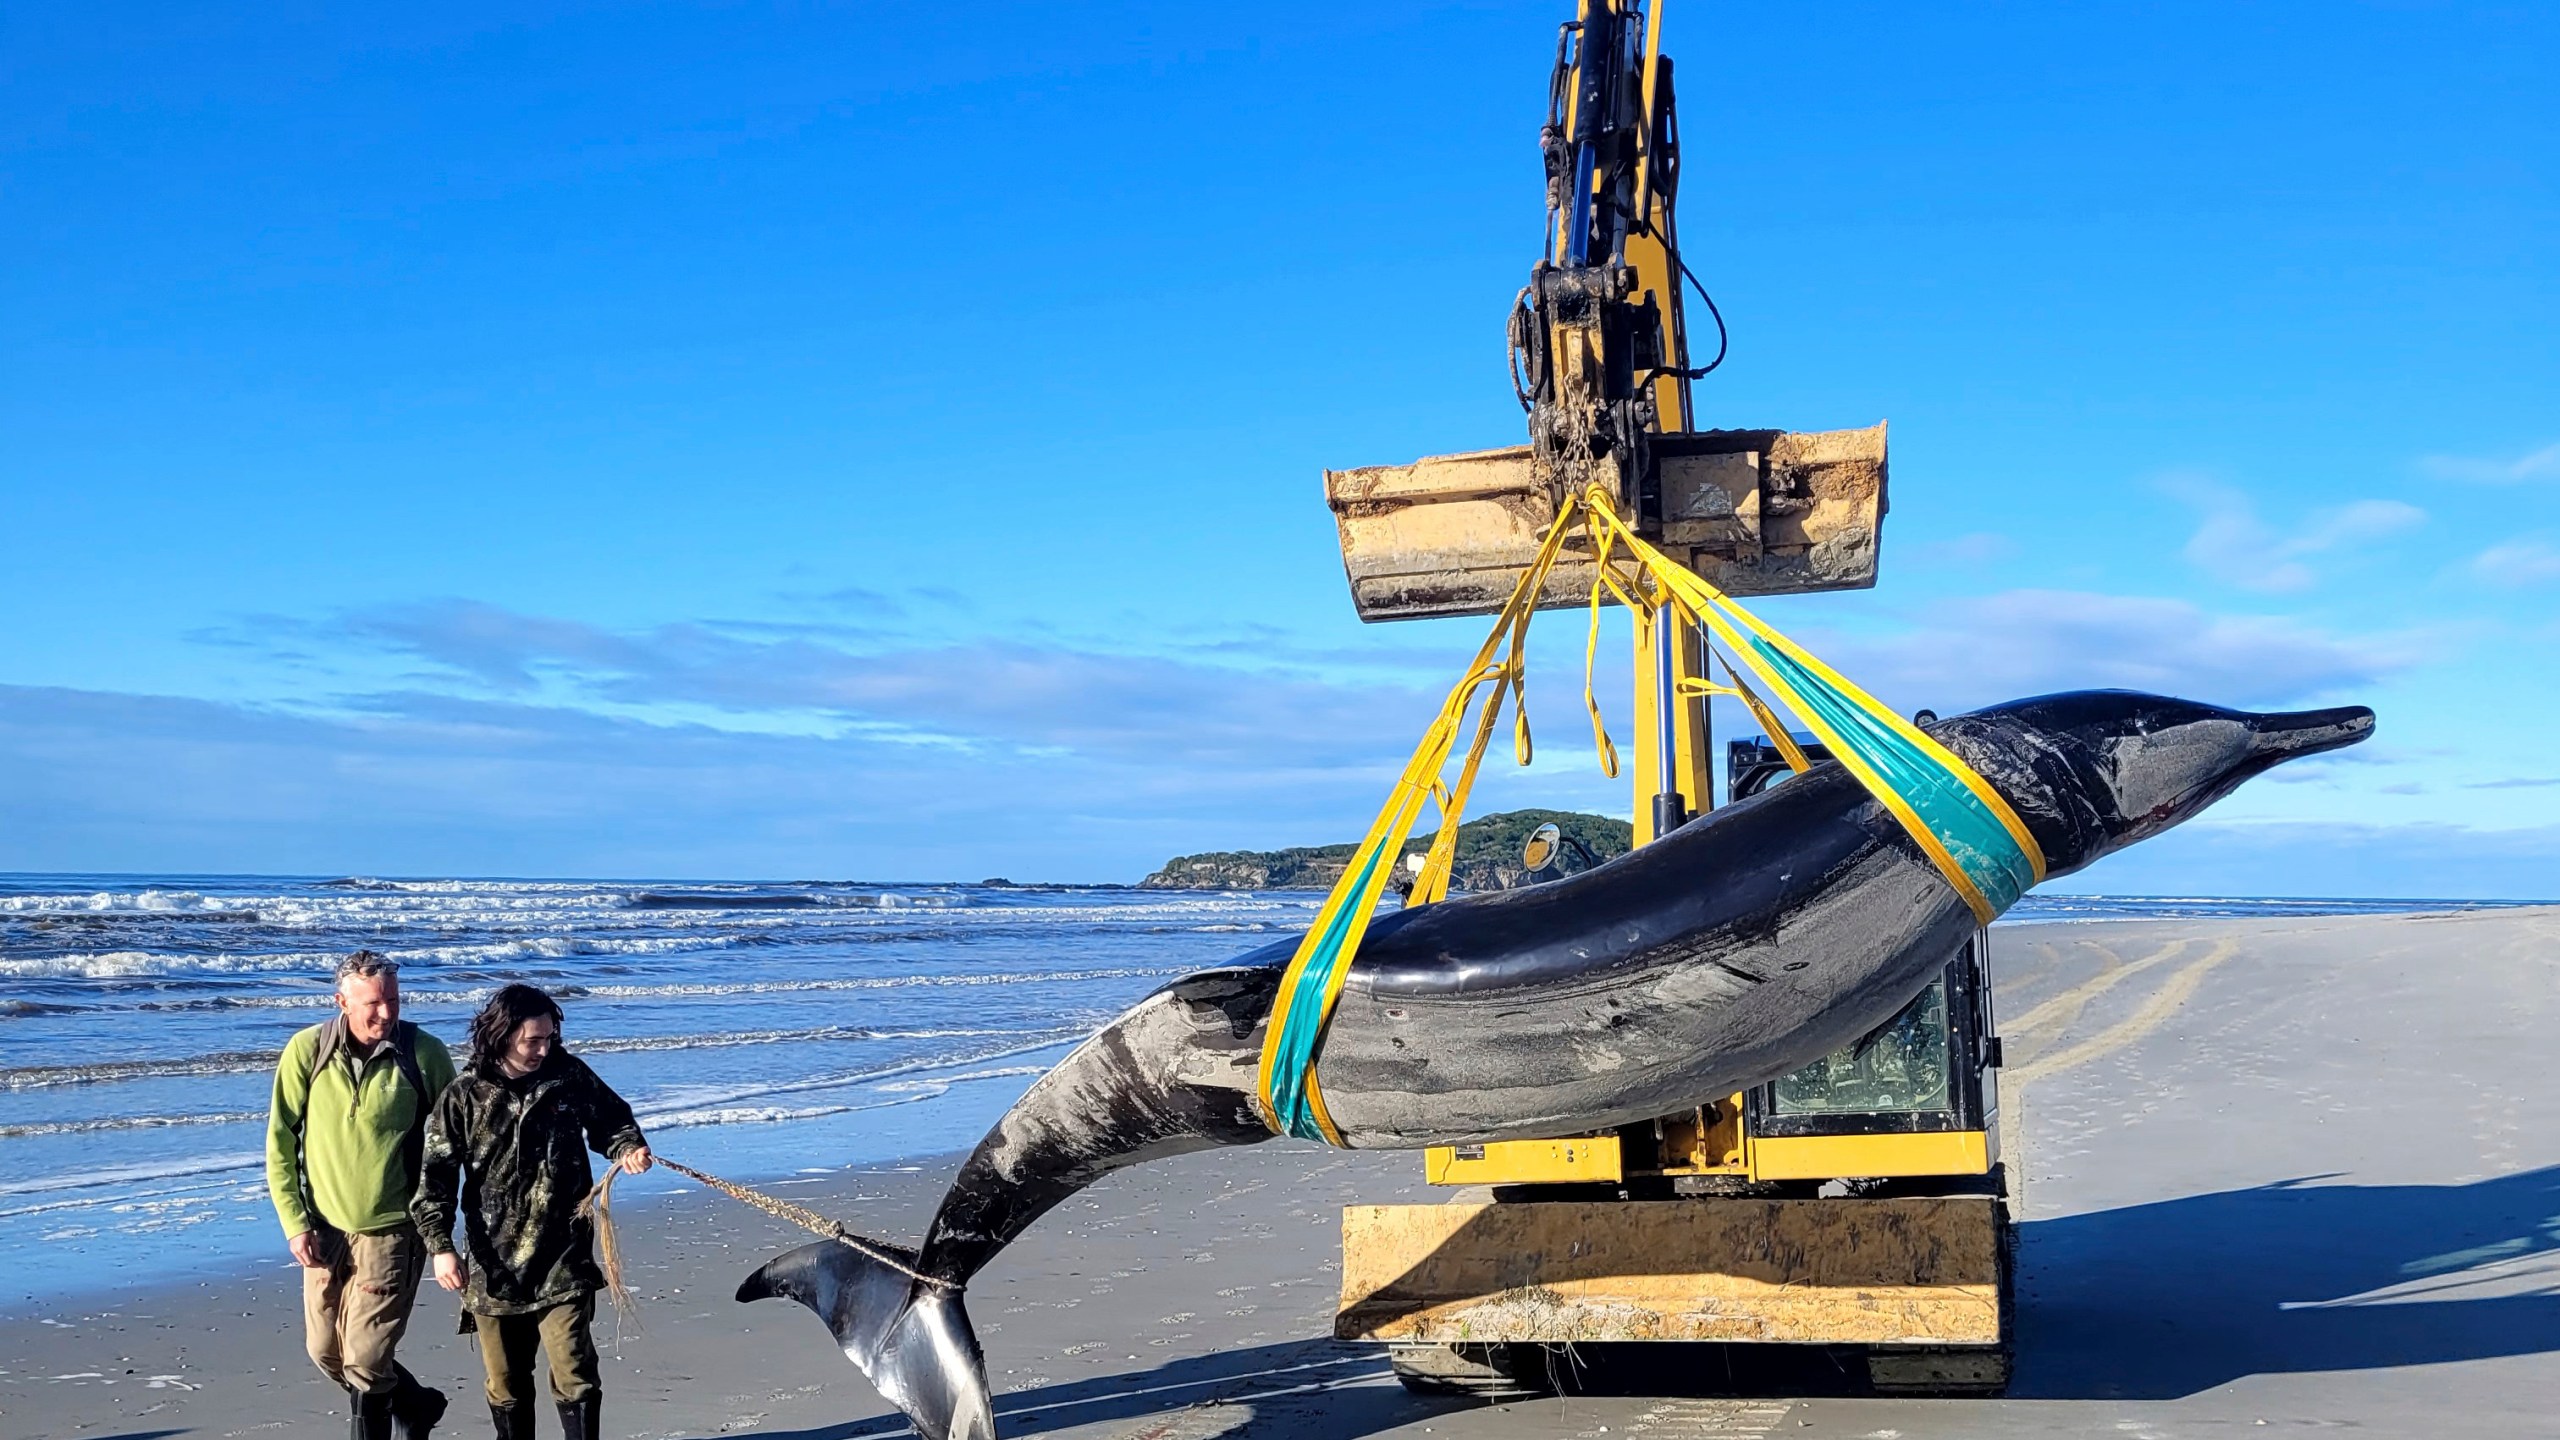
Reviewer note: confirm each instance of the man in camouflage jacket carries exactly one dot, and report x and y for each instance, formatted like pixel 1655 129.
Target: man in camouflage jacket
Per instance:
pixel 512 1134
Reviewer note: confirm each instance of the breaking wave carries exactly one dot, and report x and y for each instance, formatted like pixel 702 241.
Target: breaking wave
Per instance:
pixel 46 1077
pixel 125 1122
pixel 885 982
pixel 675 900
pixel 682 1101
pixel 739 1014
pixel 156 965
pixel 710 989
pixel 907 1092
pixel 191 1169
pixel 256 1062
pixel 135 902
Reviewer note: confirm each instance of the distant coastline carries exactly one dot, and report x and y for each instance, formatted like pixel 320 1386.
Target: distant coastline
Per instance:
pixel 1488 856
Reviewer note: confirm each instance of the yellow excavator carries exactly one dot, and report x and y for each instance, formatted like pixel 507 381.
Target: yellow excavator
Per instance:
pixel 1857 1204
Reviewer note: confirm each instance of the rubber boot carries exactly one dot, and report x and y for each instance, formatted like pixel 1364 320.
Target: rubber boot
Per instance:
pixel 415 1408
pixel 513 1420
pixel 369 1414
pixel 583 1419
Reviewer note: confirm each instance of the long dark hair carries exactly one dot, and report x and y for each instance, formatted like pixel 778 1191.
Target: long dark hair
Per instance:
pixel 496 1023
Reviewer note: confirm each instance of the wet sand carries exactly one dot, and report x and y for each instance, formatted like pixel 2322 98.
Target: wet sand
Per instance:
pixel 2271 1174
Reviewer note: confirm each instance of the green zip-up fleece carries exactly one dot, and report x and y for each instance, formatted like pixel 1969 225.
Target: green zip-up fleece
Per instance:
pixel 336 1140
pixel 513 1148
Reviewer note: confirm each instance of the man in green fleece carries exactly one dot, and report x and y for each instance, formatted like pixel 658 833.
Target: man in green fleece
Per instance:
pixel 345 1136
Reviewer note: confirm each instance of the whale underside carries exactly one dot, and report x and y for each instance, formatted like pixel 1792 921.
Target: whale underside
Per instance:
pixel 1708 962
pixel 1724 955
pixel 1705 963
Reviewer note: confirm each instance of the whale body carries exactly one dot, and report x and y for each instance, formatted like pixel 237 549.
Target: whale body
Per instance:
pixel 1726 954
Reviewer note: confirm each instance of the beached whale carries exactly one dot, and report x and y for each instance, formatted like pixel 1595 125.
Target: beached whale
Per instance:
pixel 1730 952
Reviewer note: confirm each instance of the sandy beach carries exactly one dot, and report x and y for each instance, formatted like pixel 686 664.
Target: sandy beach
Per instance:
pixel 2271 1173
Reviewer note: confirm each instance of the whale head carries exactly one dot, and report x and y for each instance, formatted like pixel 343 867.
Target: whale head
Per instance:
pixel 2092 771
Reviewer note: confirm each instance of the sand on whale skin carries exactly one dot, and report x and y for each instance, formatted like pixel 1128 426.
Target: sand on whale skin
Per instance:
pixel 2298 1171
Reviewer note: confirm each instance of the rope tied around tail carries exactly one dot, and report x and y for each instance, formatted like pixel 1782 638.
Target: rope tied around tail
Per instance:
pixel 598 1207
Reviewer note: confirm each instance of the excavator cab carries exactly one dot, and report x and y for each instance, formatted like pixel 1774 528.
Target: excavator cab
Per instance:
pixel 1856 1204
pixel 1918 1096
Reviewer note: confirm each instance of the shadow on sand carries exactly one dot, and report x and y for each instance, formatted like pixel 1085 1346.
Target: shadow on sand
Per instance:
pixel 2149 1302
pixel 2156 1301
pixel 1260 1385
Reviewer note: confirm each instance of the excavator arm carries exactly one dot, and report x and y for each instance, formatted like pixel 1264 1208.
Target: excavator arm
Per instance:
pixel 1600 361
pixel 1598 352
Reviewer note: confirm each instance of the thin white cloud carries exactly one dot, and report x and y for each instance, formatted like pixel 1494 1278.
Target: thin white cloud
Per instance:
pixel 502 648
pixel 425 783
pixel 1204 706
pixel 557 745
pixel 2233 544
pixel 1985 649
pixel 1257 707
pixel 429 785
pixel 2516 564
pixel 2542 464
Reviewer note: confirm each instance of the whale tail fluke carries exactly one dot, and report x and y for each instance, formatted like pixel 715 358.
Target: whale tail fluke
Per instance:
pixel 910 1338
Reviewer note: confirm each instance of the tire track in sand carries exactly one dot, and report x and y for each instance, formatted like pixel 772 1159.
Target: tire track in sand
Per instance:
pixel 2059 1011
pixel 2064 1008
pixel 2163 1003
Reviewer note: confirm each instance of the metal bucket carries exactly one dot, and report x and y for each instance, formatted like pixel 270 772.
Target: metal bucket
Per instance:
pixel 1753 512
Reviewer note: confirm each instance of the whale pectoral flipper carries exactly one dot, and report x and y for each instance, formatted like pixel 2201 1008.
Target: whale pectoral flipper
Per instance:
pixel 910 1338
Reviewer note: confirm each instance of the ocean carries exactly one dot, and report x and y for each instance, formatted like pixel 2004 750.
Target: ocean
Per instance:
pixel 760 1030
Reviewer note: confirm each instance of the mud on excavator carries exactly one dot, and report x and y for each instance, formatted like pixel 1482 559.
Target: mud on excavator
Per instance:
pixel 1721 1224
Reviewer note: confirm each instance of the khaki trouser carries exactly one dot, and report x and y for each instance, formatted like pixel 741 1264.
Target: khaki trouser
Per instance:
pixel 506 1352
pixel 355 1304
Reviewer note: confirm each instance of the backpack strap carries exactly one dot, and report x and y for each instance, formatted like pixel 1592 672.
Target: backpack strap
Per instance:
pixel 325 1049
pixel 413 1146
pixel 332 1036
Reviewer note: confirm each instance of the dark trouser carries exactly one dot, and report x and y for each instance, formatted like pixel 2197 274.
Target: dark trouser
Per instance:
pixel 506 1352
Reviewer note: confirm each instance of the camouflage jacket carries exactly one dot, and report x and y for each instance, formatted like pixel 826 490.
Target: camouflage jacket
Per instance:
pixel 517 1152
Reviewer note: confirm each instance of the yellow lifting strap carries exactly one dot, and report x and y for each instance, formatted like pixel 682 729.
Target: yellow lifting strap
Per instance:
pixel 1797 761
pixel 1964 826
pixel 1291 1101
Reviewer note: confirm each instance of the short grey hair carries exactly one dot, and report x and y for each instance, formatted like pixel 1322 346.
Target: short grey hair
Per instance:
pixel 368 964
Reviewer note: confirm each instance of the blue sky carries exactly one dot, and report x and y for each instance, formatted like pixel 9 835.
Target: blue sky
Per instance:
pixel 791 440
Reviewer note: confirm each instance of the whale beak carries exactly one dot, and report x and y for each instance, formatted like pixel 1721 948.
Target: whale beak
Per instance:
pixel 2290 734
